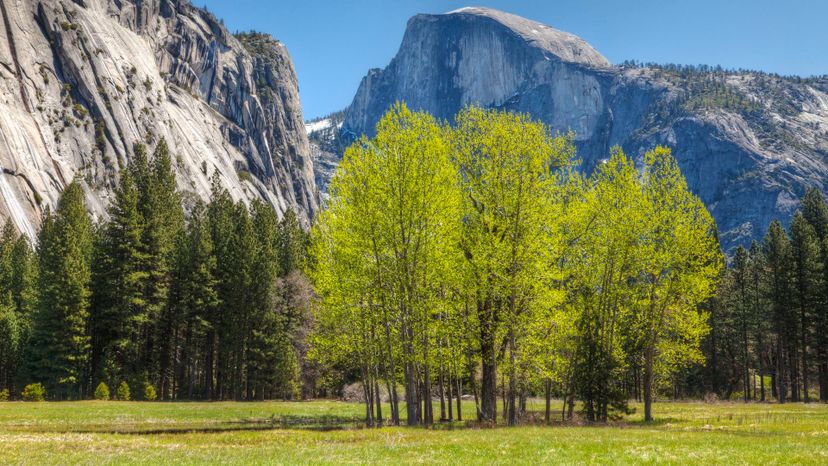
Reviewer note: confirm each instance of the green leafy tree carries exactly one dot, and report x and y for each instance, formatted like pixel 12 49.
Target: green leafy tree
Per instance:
pixel 380 253
pixel 506 162
pixel 599 264
pixel 680 269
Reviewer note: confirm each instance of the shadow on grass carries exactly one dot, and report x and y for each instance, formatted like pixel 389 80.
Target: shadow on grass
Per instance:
pixel 726 423
pixel 321 424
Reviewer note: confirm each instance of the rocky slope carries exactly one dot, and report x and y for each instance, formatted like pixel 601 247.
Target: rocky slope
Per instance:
pixel 748 143
pixel 326 147
pixel 82 81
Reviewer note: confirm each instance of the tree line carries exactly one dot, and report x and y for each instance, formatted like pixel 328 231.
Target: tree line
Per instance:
pixel 211 307
pixel 769 336
pixel 474 258
pixel 451 261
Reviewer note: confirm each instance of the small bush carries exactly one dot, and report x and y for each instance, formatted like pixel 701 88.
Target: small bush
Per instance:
pixel 102 392
pixel 245 175
pixel 33 392
pixel 736 396
pixel 4 394
pixel 123 392
pixel 149 393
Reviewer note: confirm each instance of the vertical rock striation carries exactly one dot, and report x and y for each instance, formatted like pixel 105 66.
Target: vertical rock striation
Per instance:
pixel 82 81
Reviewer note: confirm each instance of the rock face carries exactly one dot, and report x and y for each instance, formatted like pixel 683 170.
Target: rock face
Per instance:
pixel 82 81
pixel 326 148
pixel 748 143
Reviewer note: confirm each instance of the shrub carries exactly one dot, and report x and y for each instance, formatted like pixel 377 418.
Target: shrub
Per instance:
pixel 4 394
pixel 102 392
pixel 123 392
pixel 149 393
pixel 33 392
pixel 245 175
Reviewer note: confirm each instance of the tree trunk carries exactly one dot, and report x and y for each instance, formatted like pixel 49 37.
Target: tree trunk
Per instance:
pixel 804 343
pixel 442 389
pixel 450 397
pixel 488 391
pixel 412 407
pixel 745 362
pixel 761 379
pixel 369 408
pixel 774 392
pixel 428 414
pixel 459 396
pixel 512 380
pixel 208 366
pixel 390 376
pixel 649 356
pixel 488 395
pixel 391 400
pixel 378 402
pixel 793 369
pixel 781 389
pixel 503 397
pixel 548 396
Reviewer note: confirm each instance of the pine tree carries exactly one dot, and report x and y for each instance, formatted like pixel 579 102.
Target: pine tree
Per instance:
pixel 124 312
pixel 808 289
pixel 759 312
pixel 220 213
pixel 11 332
pixel 24 294
pixel 59 349
pixel 742 305
pixel 815 211
pixel 198 301
pixel 291 244
pixel 777 249
pixel 266 330
pixel 164 227
pixel 237 301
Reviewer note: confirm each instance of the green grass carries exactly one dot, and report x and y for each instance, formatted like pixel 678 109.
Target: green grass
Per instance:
pixel 96 432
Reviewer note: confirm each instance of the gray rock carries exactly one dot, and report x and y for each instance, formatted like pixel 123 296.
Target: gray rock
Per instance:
pixel 84 80
pixel 749 144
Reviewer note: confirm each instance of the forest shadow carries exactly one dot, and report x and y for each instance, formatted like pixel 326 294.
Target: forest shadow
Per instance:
pixel 319 424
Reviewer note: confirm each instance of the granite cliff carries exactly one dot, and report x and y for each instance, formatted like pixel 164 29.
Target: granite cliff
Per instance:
pixel 82 81
pixel 749 143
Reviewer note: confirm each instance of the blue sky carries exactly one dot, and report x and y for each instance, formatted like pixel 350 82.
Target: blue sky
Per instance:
pixel 334 42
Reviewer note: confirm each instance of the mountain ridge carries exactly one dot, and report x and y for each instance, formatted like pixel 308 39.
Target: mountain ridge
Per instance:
pixel 748 143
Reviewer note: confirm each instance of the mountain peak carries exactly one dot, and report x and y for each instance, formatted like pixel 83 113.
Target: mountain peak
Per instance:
pixel 563 45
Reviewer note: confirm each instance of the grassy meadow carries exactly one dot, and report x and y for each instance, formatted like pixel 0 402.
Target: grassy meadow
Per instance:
pixel 94 432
